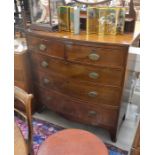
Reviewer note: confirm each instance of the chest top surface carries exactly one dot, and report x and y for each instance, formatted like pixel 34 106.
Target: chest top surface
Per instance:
pixel 122 40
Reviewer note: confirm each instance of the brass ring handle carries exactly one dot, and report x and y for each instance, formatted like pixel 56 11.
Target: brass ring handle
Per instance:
pixel 44 64
pixel 46 81
pixel 92 112
pixel 42 47
pixel 93 75
pixel 94 56
pixel 92 94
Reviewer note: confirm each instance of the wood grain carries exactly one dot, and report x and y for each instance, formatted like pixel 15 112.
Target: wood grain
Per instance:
pixel 53 48
pixel 108 56
pixel 80 90
pixel 21 71
pixel 25 100
pixel 64 68
pixel 120 40
pixel 77 110
pixel 106 75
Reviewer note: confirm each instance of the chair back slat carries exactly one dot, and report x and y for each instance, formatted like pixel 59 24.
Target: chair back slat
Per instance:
pixel 26 100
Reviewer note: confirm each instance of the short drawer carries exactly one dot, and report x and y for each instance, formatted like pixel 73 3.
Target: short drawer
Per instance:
pixel 107 56
pixel 79 111
pixel 73 71
pixel 88 92
pixel 48 47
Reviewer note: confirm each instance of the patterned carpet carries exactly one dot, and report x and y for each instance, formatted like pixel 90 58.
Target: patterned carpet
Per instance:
pixel 43 129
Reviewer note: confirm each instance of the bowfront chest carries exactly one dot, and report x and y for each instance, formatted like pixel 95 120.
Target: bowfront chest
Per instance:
pixel 81 77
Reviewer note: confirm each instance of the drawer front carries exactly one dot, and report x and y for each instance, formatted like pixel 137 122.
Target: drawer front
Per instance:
pixel 102 76
pixel 96 56
pixel 81 90
pixel 76 110
pixel 48 47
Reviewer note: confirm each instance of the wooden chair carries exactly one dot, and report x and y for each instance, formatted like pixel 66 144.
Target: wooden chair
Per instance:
pixel 26 100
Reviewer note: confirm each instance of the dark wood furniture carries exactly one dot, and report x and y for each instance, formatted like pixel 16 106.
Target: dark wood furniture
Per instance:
pixel 136 144
pixel 73 142
pixel 20 147
pixel 82 77
pixel 26 101
pixel 21 71
pixel 22 75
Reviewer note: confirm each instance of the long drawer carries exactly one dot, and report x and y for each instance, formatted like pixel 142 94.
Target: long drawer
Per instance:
pixel 48 47
pixel 105 56
pixel 84 91
pixel 102 76
pixel 79 111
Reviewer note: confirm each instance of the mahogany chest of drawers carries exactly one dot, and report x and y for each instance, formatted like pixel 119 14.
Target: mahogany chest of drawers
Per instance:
pixel 81 77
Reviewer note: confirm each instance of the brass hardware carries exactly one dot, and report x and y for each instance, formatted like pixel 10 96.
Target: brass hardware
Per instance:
pixel 42 47
pixel 46 81
pixel 92 112
pixel 92 94
pixel 94 56
pixel 94 75
pixel 44 64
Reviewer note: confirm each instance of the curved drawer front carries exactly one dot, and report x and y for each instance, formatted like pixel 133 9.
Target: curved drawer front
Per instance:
pixel 107 56
pixel 84 91
pixel 102 76
pixel 48 47
pixel 76 110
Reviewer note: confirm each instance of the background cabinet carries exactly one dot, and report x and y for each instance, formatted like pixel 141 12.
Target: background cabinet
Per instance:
pixel 22 73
